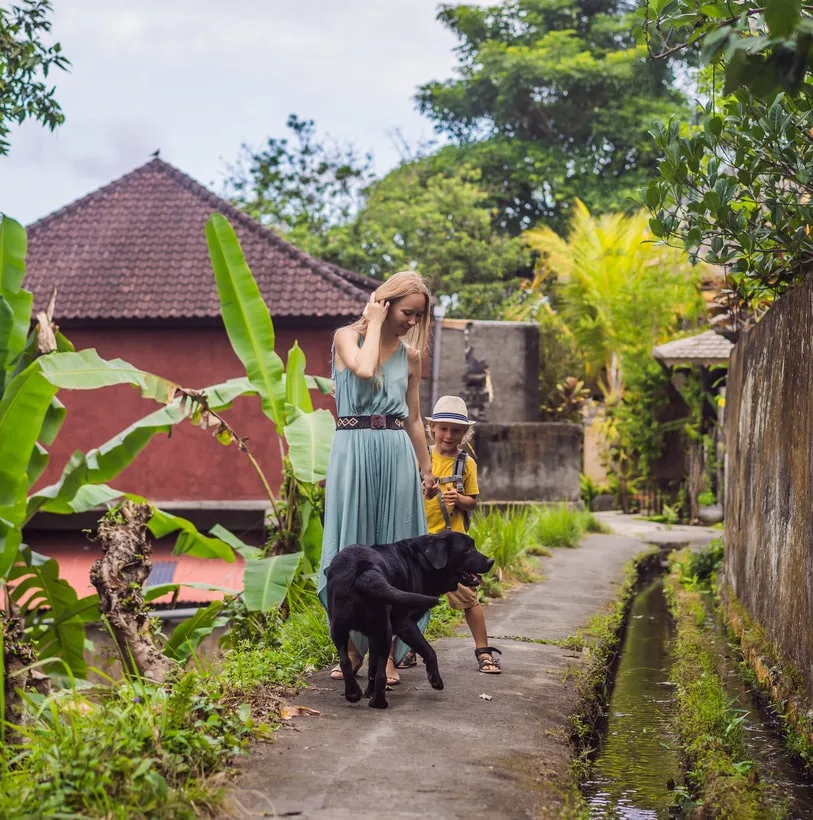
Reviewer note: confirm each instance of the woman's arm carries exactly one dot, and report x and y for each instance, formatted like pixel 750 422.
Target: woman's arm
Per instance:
pixel 414 424
pixel 363 361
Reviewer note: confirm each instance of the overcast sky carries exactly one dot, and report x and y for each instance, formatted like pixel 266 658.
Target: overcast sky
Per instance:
pixel 195 78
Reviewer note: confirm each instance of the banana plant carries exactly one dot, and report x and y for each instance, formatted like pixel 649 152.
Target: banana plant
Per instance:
pixel 34 366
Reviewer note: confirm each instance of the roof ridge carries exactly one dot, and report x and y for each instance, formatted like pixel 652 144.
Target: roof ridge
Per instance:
pixel 348 281
pixel 334 273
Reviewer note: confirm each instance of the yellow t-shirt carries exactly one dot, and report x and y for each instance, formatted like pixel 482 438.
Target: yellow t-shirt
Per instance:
pixel 443 467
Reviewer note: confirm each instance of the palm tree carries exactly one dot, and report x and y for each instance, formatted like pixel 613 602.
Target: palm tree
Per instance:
pixel 616 290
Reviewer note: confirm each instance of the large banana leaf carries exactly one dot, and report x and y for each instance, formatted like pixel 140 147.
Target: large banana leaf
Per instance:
pixel 11 538
pixel 311 536
pixel 51 608
pixel 22 411
pixel 15 316
pixel 187 636
pixel 240 547
pixel 266 581
pixel 190 541
pixel 159 590
pixel 309 437
pixel 86 370
pixel 296 387
pixel 246 317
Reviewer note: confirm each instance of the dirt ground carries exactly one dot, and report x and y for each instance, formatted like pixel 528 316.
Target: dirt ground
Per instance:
pixel 487 746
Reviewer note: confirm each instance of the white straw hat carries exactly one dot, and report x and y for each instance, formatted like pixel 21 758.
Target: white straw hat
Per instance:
pixel 452 410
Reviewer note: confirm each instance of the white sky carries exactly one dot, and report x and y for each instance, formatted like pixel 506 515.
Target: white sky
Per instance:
pixel 196 78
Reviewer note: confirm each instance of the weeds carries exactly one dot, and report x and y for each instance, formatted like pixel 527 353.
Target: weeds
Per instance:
pixel 710 727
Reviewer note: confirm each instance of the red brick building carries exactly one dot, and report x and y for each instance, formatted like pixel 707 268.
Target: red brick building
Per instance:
pixel 131 267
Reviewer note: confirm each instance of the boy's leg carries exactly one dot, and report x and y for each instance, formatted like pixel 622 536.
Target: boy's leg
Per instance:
pixel 476 620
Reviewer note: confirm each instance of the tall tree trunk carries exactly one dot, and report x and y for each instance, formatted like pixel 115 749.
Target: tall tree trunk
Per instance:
pixel 119 577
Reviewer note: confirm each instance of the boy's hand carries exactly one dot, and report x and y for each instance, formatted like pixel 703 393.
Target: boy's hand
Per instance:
pixel 450 496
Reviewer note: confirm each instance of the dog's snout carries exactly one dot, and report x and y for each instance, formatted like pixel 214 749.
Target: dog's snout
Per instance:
pixel 490 563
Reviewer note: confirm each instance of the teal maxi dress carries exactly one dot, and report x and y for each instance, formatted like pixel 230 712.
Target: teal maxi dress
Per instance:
pixel 373 492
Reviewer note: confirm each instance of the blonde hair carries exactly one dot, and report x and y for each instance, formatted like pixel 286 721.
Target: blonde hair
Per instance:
pixel 401 284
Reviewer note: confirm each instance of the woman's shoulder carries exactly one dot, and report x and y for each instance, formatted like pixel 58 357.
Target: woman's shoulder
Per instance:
pixel 347 333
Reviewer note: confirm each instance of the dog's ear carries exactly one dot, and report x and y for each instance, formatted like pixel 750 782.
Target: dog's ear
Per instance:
pixel 437 551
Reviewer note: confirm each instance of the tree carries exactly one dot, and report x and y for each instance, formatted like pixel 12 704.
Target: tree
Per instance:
pixel 300 188
pixel 439 224
pixel 760 46
pixel 552 101
pixel 618 292
pixel 25 62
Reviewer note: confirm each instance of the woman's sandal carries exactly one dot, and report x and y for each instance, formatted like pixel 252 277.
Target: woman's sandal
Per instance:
pixel 486 662
pixel 408 660
pixel 336 672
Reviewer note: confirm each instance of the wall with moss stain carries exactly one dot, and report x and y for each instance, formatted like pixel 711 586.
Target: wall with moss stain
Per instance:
pixel 769 477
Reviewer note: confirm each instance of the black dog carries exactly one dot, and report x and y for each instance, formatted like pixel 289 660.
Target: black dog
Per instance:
pixel 385 589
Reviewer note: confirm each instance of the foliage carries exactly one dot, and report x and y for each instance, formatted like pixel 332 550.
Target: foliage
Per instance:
pixel 551 102
pixel 736 191
pixel 588 490
pixel 137 752
pixel 502 536
pixel 436 223
pixel 762 46
pixel 698 569
pixel 560 525
pixel 300 188
pixel 709 726
pixel 617 292
pixel 567 403
pixel 25 62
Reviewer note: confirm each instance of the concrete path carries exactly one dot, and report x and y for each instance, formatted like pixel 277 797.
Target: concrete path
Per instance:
pixel 487 746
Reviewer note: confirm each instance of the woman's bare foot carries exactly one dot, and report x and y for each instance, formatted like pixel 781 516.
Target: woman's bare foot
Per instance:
pixel 393 678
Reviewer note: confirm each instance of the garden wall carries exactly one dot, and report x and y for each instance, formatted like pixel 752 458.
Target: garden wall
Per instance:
pixel 769 477
pixel 529 461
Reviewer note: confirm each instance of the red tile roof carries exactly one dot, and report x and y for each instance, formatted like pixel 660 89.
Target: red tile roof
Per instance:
pixel 136 249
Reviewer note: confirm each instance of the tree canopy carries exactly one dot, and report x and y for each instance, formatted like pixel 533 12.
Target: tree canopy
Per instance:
pixel 25 63
pixel 552 100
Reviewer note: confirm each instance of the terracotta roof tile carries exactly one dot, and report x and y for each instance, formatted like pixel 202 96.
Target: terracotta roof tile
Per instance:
pixel 136 249
pixel 707 348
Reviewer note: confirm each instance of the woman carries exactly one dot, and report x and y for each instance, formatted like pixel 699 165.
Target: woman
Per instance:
pixel 374 491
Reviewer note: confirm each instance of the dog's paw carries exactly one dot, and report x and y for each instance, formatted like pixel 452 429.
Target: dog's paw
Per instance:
pixel 353 693
pixel 378 703
pixel 368 692
pixel 435 681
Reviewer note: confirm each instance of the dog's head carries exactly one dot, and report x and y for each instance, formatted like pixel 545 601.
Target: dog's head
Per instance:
pixel 454 556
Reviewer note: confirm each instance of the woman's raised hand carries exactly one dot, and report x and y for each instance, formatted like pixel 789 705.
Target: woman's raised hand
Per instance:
pixel 375 312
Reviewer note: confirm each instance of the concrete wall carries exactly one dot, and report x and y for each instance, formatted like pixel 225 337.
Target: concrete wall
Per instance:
pixel 529 461
pixel 769 477
pixel 493 365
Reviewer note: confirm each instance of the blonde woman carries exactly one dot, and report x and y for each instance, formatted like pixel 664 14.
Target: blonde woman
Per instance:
pixel 375 491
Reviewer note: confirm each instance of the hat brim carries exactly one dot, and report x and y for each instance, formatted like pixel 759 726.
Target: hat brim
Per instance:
pixel 450 418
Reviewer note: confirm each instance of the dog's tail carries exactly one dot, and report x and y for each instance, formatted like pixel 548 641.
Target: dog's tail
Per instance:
pixel 374 586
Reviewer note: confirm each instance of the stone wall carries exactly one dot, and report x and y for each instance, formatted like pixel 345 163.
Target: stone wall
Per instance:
pixel 769 477
pixel 494 366
pixel 529 461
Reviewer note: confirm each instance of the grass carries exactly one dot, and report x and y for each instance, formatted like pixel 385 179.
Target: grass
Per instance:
pixel 722 781
pixel 778 682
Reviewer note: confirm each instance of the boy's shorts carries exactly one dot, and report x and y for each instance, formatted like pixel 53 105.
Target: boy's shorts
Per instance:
pixel 462 598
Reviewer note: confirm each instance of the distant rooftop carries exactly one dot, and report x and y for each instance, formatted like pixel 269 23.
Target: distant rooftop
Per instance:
pixel 706 349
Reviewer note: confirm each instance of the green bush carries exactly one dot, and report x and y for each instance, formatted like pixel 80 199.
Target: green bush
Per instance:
pixel 136 752
pixel 503 536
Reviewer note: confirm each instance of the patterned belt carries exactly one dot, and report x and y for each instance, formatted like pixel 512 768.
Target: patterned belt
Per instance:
pixel 374 422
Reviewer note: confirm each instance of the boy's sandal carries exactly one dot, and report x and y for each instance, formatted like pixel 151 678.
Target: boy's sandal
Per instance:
pixel 486 661
pixel 408 660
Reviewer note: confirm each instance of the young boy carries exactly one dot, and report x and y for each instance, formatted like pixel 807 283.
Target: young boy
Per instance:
pixel 450 429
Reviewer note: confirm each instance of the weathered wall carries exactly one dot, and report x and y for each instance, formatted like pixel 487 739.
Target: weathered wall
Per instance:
pixel 494 366
pixel 529 461
pixel 769 476
pixel 190 465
